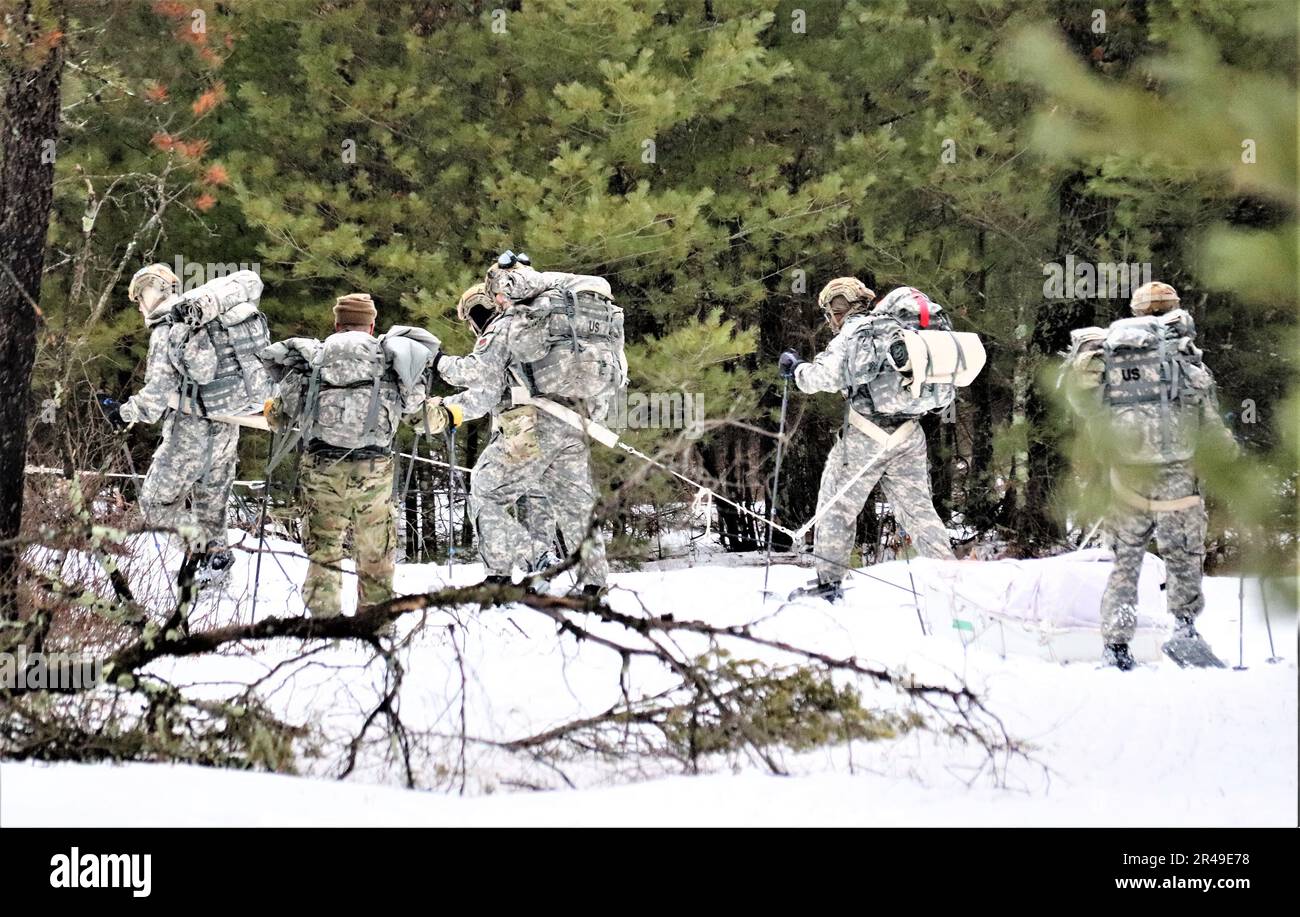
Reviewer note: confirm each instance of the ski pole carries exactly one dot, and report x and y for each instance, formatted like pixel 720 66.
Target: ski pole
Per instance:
pixel 261 531
pixel 906 541
pixel 1273 657
pixel 1241 622
pixel 404 493
pixel 776 479
pixel 135 479
pixel 451 499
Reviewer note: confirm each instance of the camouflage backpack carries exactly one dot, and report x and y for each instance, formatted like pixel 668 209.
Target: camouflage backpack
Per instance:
pixel 568 341
pixel 1153 385
pixel 216 334
pixel 878 377
pixel 348 391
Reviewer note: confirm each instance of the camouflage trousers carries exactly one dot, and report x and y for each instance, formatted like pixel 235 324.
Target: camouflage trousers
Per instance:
pixel 194 465
pixel 338 497
pixel 1180 535
pixel 534 454
pixel 535 514
pixel 903 471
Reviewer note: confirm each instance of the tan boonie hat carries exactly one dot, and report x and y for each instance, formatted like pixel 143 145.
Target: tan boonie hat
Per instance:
pixel 153 275
pixel 355 309
pixel 851 288
pixel 1154 298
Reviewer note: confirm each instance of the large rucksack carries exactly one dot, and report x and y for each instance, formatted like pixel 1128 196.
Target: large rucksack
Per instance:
pixel 904 359
pixel 216 334
pixel 349 390
pixel 1152 386
pixel 568 342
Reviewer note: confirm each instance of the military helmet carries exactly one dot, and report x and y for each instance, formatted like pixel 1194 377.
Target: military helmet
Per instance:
pixel 851 288
pixel 152 275
pixel 476 307
pixel 857 293
pixel 1153 299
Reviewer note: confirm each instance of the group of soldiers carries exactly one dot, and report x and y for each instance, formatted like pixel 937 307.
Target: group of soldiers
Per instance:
pixel 345 394
pixel 530 487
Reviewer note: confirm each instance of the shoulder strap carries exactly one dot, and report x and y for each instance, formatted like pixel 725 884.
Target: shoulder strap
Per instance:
pixel 372 412
pixel 301 433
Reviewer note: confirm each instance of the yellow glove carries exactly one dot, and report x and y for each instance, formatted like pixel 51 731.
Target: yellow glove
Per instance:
pixel 438 416
pixel 269 412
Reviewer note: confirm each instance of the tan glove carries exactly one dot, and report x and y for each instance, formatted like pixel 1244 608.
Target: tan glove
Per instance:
pixel 270 412
pixel 438 416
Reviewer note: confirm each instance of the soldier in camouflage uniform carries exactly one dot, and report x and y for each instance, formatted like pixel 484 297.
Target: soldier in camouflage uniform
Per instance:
pixel 530 452
pixel 896 450
pixel 533 510
pixel 1153 484
pixel 196 461
pixel 347 465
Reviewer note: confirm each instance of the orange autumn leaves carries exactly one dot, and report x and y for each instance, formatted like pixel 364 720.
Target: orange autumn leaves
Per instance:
pixel 190 22
pixel 191 27
pixel 210 99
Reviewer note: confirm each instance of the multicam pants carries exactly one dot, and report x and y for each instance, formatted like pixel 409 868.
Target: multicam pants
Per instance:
pixel 1180 535
pixel 534 453
pixel 903 471
pixel 195 464
pixel 339 496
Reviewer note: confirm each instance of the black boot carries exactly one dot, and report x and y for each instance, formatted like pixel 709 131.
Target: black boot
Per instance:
pixel 1117 655
pixel 831 591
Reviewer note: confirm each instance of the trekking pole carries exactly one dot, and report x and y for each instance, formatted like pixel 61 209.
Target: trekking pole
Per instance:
pixel 1241 623
pixel 776 480
pixel 1273 657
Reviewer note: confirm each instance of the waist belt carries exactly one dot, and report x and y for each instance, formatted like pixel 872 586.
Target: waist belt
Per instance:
pixel 862 425
pixel 361 453
pixel 1146 504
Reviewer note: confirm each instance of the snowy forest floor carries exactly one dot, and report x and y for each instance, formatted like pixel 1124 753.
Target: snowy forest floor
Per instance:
pixel 1157 746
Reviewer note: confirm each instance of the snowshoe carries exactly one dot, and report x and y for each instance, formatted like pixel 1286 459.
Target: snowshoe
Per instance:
pixel 1118 656
pixel 215 569
pixel 1188 648
pixel 544 562
pixel 500 579
pixel 831 591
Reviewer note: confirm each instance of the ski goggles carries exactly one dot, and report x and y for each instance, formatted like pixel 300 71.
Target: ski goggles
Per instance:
pixel 508 259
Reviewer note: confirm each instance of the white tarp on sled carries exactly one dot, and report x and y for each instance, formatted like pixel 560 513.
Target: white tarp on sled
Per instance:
pixel 1049 607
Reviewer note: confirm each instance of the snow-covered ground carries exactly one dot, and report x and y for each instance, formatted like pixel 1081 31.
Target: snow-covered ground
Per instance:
pixel 1157 746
